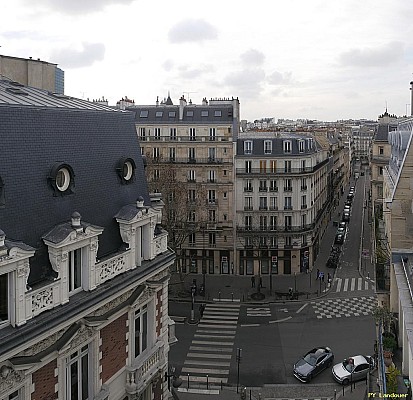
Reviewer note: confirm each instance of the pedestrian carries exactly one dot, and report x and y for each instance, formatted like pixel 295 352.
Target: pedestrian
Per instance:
pixel 329 278
pixel 260 282
pixel 322 276
pixel 201 309
pixel 253 281
pixel 318 274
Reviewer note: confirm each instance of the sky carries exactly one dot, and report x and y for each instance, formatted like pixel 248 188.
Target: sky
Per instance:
pixel 317 59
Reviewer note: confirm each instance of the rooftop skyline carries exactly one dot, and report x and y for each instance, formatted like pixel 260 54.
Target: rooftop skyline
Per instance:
pixel 299 59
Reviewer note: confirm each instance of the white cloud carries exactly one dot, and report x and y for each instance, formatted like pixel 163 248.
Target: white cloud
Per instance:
pixel 252 57
pixel 192 30
pixel 384 55
pixel 74 58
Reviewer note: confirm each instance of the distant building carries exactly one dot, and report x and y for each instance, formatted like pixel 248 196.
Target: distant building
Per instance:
pixel 283 187
pixel 36 73
pixel 189 151
pixel 83 259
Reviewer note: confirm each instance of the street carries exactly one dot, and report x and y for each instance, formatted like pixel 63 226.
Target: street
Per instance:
pixel 274 335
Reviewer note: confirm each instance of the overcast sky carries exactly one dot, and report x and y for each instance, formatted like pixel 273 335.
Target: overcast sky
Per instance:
pixel 317 59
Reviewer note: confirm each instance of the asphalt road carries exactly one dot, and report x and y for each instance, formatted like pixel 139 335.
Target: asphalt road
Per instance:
pixel 274 336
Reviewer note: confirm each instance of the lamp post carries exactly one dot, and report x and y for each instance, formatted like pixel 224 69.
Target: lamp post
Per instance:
pixel 239 356
pixel 193 289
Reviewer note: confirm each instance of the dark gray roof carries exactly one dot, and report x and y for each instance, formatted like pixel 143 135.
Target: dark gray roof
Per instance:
pixel 193 114
pixel 33 138
pixel 13 93
pixel 382 132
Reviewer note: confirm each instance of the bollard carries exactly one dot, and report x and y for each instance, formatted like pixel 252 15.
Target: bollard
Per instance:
pixel 219 295
pixel 221 384
pixel 188 381
pixel 335 394
pixel 232 296
pixel 207 382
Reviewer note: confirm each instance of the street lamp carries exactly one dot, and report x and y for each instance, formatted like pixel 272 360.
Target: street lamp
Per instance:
pixel 193 289
pixel 239 356
pixel 176 382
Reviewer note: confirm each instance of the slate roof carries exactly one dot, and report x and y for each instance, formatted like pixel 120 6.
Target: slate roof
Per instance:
pixel 382 132
pixel 37 131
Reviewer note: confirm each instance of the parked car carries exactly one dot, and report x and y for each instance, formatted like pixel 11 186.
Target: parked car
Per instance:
pixel 312 363
pixel 353 369
pixel 333 261
pixel 341 231
pixel 343 225
pixel 348 203
pixel 339 239
pixel 347 209
pixel 346 217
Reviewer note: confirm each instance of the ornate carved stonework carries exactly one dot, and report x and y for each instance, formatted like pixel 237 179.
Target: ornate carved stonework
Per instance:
pixel 43 299
pixel 42 345
pixel 112 268
pixel 57 259
pixel 112 304
pixel 83 334
pixel 13 379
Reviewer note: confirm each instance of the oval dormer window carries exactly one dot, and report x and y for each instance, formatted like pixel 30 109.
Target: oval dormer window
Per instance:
pixel 126 170
pixel 61 179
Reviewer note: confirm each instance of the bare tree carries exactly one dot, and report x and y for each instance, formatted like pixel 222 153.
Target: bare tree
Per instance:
pixel 185 211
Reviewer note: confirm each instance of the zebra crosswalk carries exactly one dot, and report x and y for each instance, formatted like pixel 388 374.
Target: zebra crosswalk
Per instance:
pixel 209 357
pixel 258 311
pixel 351 284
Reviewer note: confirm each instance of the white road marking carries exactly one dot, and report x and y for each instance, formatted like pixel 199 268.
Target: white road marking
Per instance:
pixel 302 308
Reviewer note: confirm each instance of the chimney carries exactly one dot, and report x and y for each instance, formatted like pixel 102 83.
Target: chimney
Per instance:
pixel 157 100
pixel 76 217
pixel 140 202
pixel 182 104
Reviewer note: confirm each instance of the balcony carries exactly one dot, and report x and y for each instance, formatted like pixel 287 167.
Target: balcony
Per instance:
pixel 212 202
pixel 263 207
pixel 288 207
pixel 263 189
pixel 139 377
pixel 288 189
pixel 304 187
pixel 273 208
pixel 303 206
pixel 273 189
pixel 248 189
pixel 247 208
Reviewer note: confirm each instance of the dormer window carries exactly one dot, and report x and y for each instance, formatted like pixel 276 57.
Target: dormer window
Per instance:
pixel 248 147
pixel 301 146
pixel 61 178
pixel 267 146
pixel 126 170
pixel 287 146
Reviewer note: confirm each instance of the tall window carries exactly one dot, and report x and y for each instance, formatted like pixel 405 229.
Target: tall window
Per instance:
pixel 4 298
pixel 192 239
pixel 172 152
pixel 212 134
pixel 273 185
pixel 247 203
pixel 273 203
pixel 211 154
pixel 288 185
pixel 248 185
pixel 156 153
pixel 263 222
pixel 248 221
pixel 288 219
pixel 304 201
pixel 212 215
pixel 263 166
pixel 263 203
pixel 212 175
pixel 192 195
pixel 77 372
pixel 263 186
pixel 172 133
pixel 304 220
pixel 273 166
pixel 191 175
pixel 141 330
pixel 303 165
pixel 267 146
pixel 287 166
pixel 192 134
pixel 248 167
pixel 288 203
pixel 157 133
pixel 212 196
pixel 287 146
pixel 142 133
pixel 303 183
pixel 247 147
pixel 301 146
pixel 273 222
pixel 191 154
pixel 212 239
pixel 75 270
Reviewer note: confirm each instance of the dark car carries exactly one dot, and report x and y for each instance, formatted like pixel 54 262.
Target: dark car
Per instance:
pixel 312 363
pixel 333 261
pixel 346 217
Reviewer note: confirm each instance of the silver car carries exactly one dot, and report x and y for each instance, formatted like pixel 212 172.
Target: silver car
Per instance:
pixel 353 369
